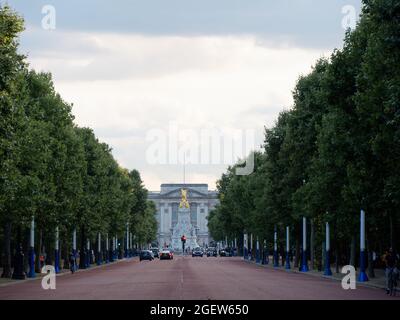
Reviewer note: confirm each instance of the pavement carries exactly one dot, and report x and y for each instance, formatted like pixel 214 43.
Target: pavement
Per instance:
pixel 377 282
pixel 187 278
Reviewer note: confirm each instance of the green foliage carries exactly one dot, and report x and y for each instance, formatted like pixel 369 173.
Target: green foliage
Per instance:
pixel 52 170
pixel 336 151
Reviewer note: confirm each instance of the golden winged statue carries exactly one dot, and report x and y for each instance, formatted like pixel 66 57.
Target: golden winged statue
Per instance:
pixel 184 201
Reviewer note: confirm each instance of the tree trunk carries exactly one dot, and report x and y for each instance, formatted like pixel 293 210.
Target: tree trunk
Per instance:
pixel 82 254
pixel 392 233
pixel 7 251
pixel 38 266
pixel 65 255
pixel 352 261
pixel 312 245
pixel 297 256
pixel 371 272
pixel 336 248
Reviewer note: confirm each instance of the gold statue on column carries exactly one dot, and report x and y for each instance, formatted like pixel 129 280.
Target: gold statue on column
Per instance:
pixel 184 201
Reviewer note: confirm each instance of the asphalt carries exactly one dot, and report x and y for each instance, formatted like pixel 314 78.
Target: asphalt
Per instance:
pixel 188 278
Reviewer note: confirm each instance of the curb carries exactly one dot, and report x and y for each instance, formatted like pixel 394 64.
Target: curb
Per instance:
pixel 63 273
pixel 363 284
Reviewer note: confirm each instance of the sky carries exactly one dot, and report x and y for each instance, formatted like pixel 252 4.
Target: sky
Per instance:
pixel 154 79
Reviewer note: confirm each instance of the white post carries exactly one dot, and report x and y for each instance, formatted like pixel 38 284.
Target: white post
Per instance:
pixel 88 244
pixel 127 236
pixel 32 240
pixel 107 242
pixel 304 234
pixel 74 240
pixel 251 241
pixel 362 231
pixel 327 239
pixel 57 244
pixel 287 240
pixel 235 243
pixel 99 242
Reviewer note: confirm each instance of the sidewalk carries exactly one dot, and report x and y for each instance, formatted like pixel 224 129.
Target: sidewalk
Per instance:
pixel 378 282
pixel 8 281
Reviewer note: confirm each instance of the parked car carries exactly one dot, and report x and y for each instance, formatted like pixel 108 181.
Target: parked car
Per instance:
pixel 197 252
pixel 156 252
pixel 166 255
pixel 146 255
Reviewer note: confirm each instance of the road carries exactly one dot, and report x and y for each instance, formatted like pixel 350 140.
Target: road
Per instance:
pixel 188 278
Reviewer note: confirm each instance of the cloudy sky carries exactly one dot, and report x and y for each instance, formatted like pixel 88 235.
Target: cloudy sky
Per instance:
pixel 153 77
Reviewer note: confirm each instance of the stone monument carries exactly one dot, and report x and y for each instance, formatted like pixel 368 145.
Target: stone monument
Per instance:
pixel 184 227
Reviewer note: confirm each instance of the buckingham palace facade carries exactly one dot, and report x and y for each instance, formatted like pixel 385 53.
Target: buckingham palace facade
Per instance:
pixel 167 200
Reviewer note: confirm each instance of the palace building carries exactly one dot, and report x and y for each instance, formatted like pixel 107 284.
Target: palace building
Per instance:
pixel 167 200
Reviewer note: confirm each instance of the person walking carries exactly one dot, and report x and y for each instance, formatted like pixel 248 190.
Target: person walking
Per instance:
pixel 72 262
pixel 389 259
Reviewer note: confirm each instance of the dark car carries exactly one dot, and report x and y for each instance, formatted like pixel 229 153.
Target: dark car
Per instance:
pixel 197 252
pixel 227 252
pixel 212 252
pixel 166 255
pixel 155 252
pixel 146 255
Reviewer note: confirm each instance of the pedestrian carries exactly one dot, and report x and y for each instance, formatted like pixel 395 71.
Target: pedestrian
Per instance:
pixel 389 259
pixel 72 262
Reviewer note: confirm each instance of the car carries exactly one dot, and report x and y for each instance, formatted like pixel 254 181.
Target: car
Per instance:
pixel 156 252
pixel 166 255
pixel 227 252
pixel 146 255
pixel 212 252
pixel 197 252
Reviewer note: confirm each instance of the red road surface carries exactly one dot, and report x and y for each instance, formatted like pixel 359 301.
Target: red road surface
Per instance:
pixel 188 278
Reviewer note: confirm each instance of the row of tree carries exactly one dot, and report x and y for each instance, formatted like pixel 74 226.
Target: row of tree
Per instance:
pixel 54 171
pixel 337 151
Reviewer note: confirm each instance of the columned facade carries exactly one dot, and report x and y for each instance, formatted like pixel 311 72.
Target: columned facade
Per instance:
pixel 167 200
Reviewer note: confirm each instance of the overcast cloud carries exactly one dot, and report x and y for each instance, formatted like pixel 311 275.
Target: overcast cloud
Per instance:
pixel 133 66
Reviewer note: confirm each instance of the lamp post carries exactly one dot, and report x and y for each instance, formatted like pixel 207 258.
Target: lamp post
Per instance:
pixel 99 258
pixel 57 252
pixel 31 273
pixel 362 277
pixel 258 256
pixel 287 265
pixel 327 271
pixel 107 249
pixel 126 241
pixel 88 253
pixel 245 252
pixel 304 265
pixel 75 267
pixel 251 247
pixel 276 259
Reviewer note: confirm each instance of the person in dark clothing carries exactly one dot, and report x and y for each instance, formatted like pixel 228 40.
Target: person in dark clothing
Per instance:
pixel 390 260
pixel 72 262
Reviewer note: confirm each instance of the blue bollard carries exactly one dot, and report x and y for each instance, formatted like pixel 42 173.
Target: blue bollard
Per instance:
pixel 31 273
pixel 287 265
pixel 327 271
pixel 362 277
pixel 276 259
pixel 57 261
pixel 304 264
